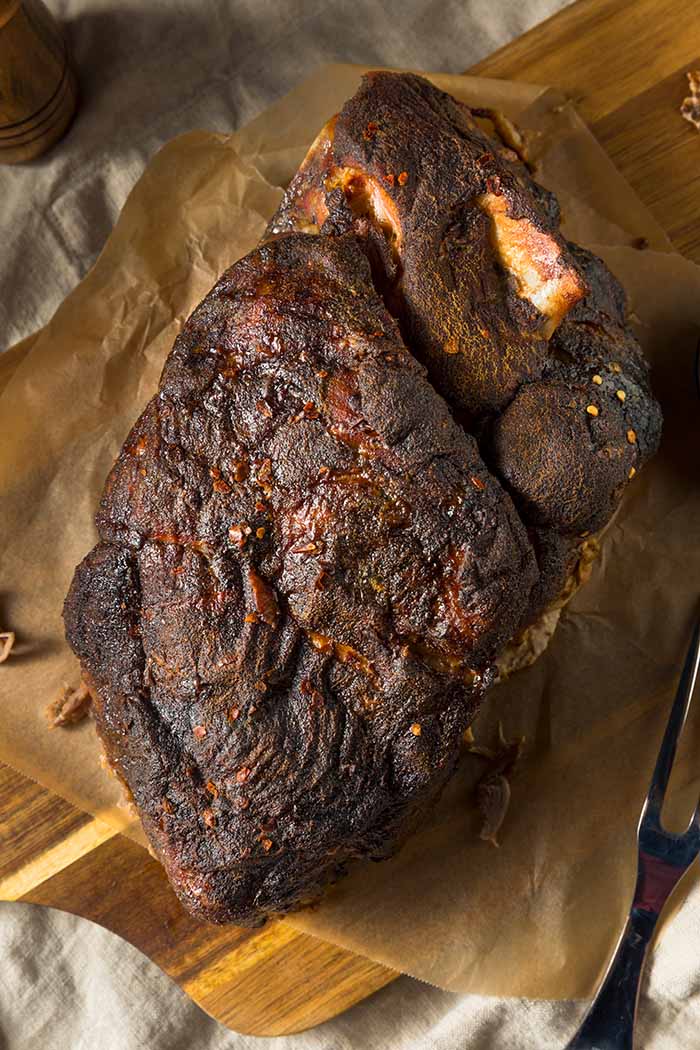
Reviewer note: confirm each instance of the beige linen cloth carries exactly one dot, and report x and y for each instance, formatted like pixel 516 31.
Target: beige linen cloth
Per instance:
pixel 150 70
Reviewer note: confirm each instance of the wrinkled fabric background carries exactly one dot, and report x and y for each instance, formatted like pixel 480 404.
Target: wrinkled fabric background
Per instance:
pixel 149 71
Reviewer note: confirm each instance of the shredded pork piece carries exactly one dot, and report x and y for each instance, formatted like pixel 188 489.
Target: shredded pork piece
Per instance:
pixel 493 789
pixel 7 641
pixel 510 135
pixel 493 800
pixel 690 107
pixel 72 705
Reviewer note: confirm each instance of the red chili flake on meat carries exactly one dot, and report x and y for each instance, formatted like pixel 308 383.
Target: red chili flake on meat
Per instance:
pixel 389 178
pixel 212 789
pixel 243 802
pixel 493 185
pixel 260 532
pixel 250 618
pixel 234 713
pixel 239 469
pixel 265 598
pixel 320 642
pixel 263 408
pixel 264 476
pixel 167 805
pixel 209 818
pixel 370 131
pixel 322 373
pixel 142 472
pixel 139 449
pixel 306 548
pixel 266 844
pixel 200 732
pixel 261 686
pixel 310 410
pixel 403 178
pixel 347 655
pixel 324 470
pixel 178 570
pixel 239 533
pixel 261 506
pixel 242 775
pixel 477 483
pixel 321 581
pixel 221 486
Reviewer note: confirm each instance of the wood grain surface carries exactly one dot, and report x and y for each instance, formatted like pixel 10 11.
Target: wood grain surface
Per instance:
pixel 268 981
pixel 623 64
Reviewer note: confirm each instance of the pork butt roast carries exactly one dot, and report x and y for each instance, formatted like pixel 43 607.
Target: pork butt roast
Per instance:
pixel 376 450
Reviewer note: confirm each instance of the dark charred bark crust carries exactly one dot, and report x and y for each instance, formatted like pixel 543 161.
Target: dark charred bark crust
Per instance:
pixel 307 565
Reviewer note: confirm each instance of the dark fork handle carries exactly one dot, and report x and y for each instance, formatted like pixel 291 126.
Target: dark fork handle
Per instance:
pixel 609 1024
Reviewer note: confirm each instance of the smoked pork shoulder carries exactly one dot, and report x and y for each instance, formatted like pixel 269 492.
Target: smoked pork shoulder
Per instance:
pixel 375 451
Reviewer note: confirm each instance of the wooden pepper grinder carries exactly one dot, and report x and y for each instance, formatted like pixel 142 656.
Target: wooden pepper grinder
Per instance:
pixel 38 88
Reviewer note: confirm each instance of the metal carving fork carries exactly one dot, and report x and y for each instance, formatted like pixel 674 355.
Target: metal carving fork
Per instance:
pixel 663 859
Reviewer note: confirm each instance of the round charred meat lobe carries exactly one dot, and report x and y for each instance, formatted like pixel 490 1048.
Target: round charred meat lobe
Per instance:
pixel 564 458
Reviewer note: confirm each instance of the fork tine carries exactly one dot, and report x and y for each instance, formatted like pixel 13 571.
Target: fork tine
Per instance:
pixel 667 753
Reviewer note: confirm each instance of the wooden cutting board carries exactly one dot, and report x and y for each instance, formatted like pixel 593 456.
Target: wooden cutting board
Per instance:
pixel 623 64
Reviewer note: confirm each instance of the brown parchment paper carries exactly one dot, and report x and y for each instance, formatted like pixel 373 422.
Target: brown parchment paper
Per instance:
pixel 538 916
